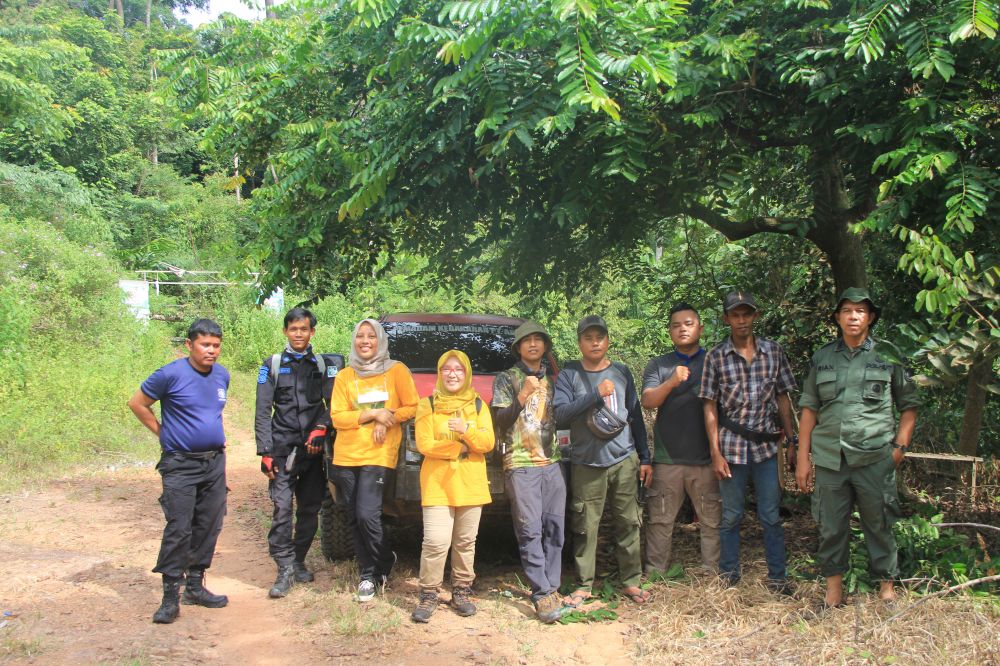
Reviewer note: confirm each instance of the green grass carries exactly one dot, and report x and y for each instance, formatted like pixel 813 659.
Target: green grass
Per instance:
pixel 72 409
pixel 18 648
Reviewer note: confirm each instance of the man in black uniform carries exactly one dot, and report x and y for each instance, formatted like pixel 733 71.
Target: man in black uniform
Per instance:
pixel 291 426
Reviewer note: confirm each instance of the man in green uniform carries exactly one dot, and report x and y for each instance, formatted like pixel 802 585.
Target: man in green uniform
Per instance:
pixel 849 426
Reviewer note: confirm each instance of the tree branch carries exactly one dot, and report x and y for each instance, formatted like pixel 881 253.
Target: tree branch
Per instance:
pixel 978 526
pixel 755 140
pixel 740 230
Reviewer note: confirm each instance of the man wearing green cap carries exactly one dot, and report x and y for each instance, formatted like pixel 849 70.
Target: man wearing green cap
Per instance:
pixel 524 424
pixel 849 426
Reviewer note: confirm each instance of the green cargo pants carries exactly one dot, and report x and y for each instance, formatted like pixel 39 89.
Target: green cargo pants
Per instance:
pixel 589 488
pixel 873 488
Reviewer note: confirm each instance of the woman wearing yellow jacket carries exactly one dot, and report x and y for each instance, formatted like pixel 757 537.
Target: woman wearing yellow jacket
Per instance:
pixel 454 431
pixel 371 398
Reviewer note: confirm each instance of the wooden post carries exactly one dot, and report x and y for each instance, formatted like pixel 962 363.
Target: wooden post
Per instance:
pixel 974 465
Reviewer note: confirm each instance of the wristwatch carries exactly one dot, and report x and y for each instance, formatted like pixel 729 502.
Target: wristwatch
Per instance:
pixel 901 447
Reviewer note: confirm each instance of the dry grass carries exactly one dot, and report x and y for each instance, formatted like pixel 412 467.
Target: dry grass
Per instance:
pixel 699 620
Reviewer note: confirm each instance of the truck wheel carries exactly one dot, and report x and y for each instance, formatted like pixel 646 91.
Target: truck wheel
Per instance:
pixel 336 538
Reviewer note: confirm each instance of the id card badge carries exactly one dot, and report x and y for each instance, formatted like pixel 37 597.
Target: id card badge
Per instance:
pixel 373 396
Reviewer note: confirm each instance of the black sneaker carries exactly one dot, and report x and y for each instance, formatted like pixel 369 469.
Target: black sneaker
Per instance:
pixel 461 601
pixel 782 586
pixel 428 604
pixel 729 580
pixel 302 574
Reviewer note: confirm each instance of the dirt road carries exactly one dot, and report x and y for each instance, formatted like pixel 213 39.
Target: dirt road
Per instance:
pixel 77 588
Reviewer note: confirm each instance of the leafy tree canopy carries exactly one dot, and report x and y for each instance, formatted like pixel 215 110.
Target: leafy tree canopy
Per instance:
pixel 548 136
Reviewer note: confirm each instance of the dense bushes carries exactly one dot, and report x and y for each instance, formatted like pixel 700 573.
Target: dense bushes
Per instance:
pixel 70 354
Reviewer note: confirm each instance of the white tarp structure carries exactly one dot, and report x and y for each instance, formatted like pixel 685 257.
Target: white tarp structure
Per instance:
pixel 136 297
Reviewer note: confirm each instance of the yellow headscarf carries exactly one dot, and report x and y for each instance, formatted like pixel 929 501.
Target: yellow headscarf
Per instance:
pixel 449 403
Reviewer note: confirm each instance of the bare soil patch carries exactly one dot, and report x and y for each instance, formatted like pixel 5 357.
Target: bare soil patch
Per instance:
pixel 77 588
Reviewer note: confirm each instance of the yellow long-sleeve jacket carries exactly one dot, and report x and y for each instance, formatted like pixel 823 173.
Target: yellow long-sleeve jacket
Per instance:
pixel 355 445
pixel 448 478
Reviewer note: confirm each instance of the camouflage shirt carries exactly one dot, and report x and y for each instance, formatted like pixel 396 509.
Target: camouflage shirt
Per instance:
pixel 528 433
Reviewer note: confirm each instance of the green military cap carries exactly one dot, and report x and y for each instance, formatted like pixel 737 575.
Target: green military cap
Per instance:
pixel 523 331
pixel 857 295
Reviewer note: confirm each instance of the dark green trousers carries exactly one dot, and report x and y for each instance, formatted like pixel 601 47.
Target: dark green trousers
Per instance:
pixel 590 487
pixel 873 489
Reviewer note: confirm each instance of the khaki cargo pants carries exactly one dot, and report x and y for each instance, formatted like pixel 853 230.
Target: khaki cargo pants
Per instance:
pixel 666 496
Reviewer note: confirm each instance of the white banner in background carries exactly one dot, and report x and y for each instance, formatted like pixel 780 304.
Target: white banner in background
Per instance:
pixel 136 297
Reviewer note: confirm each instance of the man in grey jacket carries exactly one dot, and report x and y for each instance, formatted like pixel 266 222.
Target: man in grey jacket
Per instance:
pixel 604 465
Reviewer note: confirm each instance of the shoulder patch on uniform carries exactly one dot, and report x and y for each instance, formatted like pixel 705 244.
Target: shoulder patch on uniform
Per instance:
pixel 331 371
pixel 285 371
pixel 262 375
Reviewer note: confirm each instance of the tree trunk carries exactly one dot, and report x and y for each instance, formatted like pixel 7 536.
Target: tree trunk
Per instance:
pixel 843 249
pixel 975 400
pixel 121 10
pixel 269 9
pixel 236 177
pixel 149 10
pixel 154 153
pixel 831 205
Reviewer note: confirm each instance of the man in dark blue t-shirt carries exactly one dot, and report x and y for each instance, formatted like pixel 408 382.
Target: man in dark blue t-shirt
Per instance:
pixel 192 393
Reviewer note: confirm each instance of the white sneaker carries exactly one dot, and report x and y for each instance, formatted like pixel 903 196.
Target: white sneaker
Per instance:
pixel 366 590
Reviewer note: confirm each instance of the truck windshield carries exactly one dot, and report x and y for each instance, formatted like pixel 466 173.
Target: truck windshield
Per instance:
pixel 419 345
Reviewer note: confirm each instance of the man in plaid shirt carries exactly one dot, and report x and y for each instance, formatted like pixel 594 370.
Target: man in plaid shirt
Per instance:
pixel 744 392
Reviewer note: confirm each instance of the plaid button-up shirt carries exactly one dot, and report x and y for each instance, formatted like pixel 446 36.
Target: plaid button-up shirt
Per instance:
pixel 748 394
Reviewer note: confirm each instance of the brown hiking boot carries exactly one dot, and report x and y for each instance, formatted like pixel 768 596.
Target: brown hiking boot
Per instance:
pixel 550 607
pixel 428 604
pixel 461 602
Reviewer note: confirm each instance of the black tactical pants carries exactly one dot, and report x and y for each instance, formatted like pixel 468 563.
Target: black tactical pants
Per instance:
pixel 304 488
pixel 194 504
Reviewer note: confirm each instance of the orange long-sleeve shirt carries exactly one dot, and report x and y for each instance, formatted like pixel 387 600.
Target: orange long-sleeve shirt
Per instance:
pixel 355 445
pixel 446 479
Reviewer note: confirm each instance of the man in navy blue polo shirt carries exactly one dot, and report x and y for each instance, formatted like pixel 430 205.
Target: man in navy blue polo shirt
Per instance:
pixel 192 393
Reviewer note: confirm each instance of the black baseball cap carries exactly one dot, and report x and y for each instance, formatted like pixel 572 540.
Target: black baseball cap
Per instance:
pixel 591 321
pixel 735 299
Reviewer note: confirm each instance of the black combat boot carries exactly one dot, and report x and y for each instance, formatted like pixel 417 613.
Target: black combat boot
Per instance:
pixel 302 574
pixel 196 594
pixel 283 583
pixel 169 608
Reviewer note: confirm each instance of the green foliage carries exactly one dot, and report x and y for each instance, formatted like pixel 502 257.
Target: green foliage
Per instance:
pixel 70 356
pixel 606 594
pixel 549 141
pixel 29 192
pixel 931 556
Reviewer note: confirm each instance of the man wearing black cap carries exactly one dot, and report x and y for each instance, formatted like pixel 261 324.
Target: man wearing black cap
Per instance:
pixel 526 428
pixel 608 452
pixel 849 427
pixel 744 392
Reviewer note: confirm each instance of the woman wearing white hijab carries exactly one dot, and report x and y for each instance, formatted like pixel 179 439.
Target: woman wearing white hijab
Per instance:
pixel 372 397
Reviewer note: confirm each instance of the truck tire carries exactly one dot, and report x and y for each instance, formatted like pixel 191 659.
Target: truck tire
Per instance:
pixel 336 538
